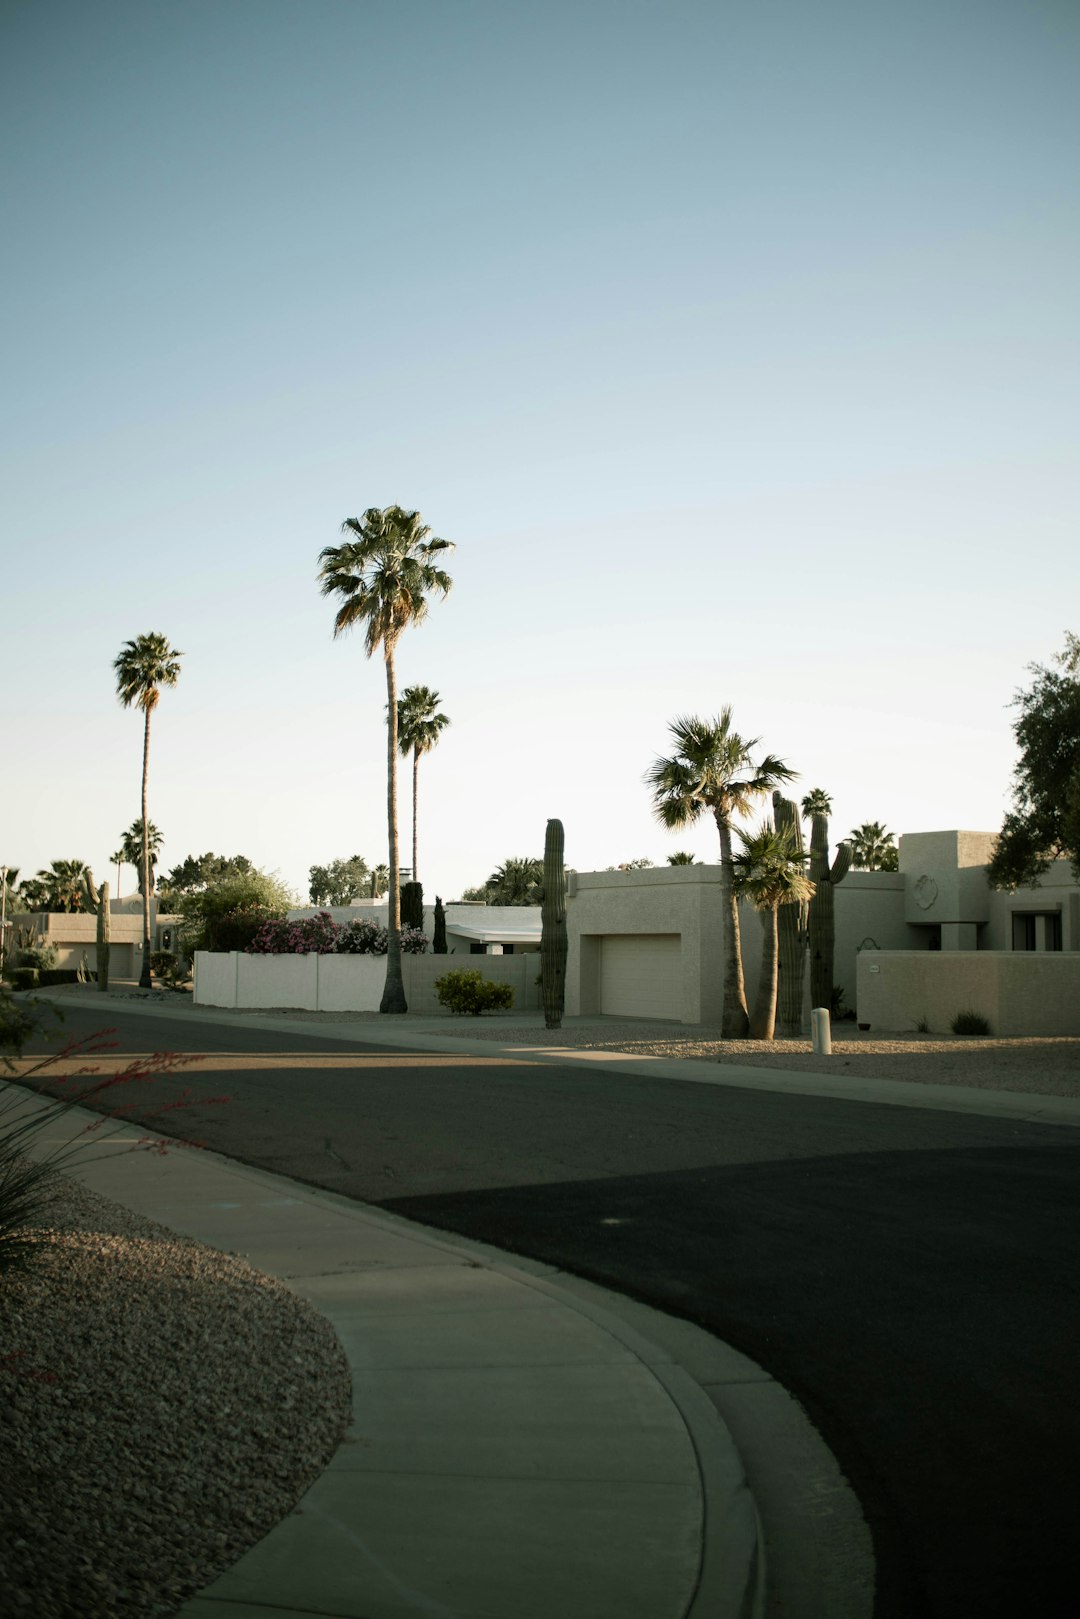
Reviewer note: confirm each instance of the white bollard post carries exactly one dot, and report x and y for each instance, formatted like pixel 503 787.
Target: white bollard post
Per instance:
pixel 821 1031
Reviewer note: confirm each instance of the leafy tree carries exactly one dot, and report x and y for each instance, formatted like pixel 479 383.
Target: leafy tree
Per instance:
pixel 770 870
pixel 227 914
pixel 420 725
pixel 816 802
pixel 874 849
pixel 712 771
pixel 518 881
pixel 1044 822
pixel 681 857
pixel 131 845
pixel 383 575
pixel 340 882
pixel 142 667
pixel 641 864
pixel 198 872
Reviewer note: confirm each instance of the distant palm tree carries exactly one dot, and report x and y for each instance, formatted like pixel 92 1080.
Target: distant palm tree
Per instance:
pixel 62 885
pixel 518 881
pixel 383 575
pixel 142 667
pixel 681 857
pixel 770 870
pixel 420 726
pixel 118 859
pixel 712 771
pixel 873 849
pixel 131 851
pixel 817 802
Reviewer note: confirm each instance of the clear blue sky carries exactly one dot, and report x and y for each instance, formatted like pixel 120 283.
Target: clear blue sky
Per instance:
pixel 736 346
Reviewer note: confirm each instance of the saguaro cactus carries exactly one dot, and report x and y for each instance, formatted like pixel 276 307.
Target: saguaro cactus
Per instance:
pixel 438 945
pixel 822 924
pixel 412 905
pixel 792 925
pixel 98 900
pixel 553 928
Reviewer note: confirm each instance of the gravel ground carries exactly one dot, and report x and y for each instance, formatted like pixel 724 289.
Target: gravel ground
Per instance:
pixel 165 1406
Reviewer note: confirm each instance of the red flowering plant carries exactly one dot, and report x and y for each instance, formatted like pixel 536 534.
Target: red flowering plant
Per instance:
pixel 36 1091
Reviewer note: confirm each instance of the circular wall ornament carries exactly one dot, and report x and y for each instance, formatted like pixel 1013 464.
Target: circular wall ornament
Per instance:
pixel 925 893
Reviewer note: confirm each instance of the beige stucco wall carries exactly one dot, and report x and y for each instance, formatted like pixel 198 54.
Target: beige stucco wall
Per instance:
pixel 1018 992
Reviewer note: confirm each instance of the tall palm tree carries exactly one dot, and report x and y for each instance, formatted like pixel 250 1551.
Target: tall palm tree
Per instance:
pixel 142 667
pixel 383 574
pixel 712 770
pixel 770 870
pixel 131 851
pixel 118 859
pixel 872 848
pixel 420 725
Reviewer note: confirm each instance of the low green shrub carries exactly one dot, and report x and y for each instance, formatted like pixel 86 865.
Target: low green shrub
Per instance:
pixel 59 975
pixel 39 955
pixel 469 993
pixel 24 977
pixel 969 1023
pixel 163 962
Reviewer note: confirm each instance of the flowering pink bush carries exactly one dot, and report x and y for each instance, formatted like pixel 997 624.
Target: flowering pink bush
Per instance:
pixel 362 938
pixel 311 935
pixel 320 935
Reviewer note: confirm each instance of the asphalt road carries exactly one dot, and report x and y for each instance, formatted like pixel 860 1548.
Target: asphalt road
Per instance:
pixel 910 1276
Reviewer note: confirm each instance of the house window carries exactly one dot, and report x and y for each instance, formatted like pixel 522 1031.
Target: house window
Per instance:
pixel 1036 930
pixel 476 949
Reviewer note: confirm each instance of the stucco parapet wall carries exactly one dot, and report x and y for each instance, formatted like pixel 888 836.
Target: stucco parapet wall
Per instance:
pixel 643 877
pixel 1020 993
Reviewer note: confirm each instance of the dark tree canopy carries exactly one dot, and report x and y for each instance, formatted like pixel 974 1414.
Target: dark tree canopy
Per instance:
pixel 1044 822
pixel 198 872
pixel 340 882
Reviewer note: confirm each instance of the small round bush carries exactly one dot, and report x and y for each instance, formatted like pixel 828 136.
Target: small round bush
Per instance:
pixel 39 955
pixel 162 962
pixel 24 977
pixel 969 1023
pixel 413 941
pixel 469 993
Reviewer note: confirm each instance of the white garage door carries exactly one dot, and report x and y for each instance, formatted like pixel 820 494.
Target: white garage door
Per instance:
pixel 640 975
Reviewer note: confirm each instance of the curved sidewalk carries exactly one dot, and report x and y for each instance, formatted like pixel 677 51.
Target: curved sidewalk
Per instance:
pixel 515 1450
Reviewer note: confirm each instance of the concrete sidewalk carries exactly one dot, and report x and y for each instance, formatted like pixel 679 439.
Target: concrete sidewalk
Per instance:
pixel 516 1448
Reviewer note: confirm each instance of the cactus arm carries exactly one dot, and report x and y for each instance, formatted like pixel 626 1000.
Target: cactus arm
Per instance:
pixel 553 942
pixel 841 863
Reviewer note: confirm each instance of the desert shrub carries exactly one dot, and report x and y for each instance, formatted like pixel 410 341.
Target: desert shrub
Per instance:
pixel 469 993
pixel 362 938
pixel 39 955
pixel 163 962
pixel 414 941
pixel 923 1026
pixel 969 1023
pixel 57 975
pixel 24 977
pixel 304 936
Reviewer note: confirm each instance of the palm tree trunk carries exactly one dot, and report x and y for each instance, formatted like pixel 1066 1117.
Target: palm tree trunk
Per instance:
pixel 393 998
pixel 763 1022
pixel 734 1021
pixel 144 975
pixel 415 781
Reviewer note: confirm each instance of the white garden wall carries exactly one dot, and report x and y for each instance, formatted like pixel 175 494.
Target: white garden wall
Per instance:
pixel 332 983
